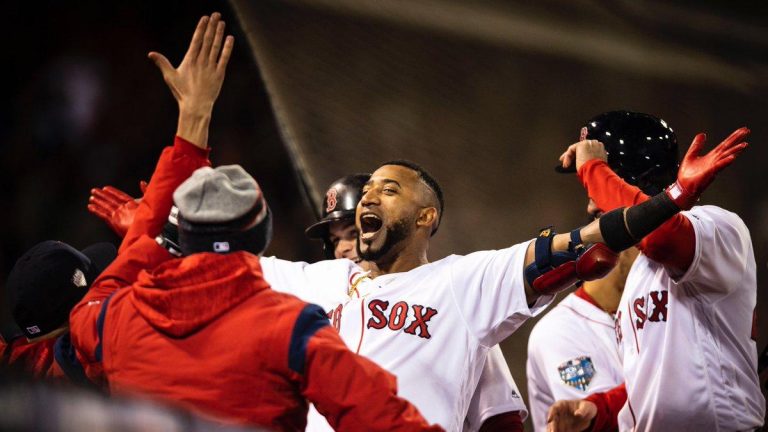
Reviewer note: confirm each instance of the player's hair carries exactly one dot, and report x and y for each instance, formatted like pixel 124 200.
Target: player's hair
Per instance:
pixel 430 181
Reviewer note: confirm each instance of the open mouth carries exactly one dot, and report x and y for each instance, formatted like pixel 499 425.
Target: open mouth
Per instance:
pixel 370 224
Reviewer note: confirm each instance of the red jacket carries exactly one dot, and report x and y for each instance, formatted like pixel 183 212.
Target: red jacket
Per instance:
pixel 207 332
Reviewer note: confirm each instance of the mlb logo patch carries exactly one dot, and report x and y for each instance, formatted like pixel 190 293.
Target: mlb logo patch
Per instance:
pixel 221 247
pixel 577 372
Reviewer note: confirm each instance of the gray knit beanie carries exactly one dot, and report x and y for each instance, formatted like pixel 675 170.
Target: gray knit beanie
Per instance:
pixel 222 210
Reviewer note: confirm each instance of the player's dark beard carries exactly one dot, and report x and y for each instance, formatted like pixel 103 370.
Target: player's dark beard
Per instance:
pixel 398 232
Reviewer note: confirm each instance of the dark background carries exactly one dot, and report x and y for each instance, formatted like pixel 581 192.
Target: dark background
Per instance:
pixel 485 94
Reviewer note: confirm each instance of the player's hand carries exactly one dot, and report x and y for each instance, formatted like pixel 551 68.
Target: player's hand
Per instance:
pixel 114 207
pixel 570 415
pixel 697 171
pixel 197 81
pixel 581 152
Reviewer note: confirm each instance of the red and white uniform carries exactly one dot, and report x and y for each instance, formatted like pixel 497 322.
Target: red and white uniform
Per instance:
pixel 689 362
pixel 572 353
pixel 432 326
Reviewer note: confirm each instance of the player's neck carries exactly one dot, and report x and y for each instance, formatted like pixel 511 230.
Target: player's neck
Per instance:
pixel 407 260
pixel 604 293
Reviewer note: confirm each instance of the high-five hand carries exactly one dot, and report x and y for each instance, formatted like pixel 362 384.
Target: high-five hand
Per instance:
pixel 197 81
pixel 697 172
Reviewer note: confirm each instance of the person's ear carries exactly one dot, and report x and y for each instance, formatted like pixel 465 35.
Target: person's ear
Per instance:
pixel 427 218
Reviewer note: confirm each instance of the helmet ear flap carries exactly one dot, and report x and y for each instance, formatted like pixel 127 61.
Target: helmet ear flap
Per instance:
pixel 642 149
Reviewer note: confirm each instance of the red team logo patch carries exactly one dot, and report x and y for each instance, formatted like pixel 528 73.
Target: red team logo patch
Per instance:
pixel 330 200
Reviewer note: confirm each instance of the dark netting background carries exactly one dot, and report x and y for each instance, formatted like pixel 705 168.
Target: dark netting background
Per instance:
pixel 487 94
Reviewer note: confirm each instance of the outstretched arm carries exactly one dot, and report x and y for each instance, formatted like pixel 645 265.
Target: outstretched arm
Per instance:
pixel 352 392
pixel 195 84
pixel 597 412
pixel 673 243
pixel 624 227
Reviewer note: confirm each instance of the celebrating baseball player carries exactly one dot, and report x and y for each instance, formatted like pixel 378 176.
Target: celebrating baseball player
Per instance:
pixel 205 330
pixel 496 404
pixel 426 321
pixel 685 316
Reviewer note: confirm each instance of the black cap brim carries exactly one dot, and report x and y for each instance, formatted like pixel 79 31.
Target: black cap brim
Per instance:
pixel 101 256
pixel 320 229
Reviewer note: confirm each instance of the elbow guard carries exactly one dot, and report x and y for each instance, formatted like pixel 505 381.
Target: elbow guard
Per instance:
pixel 552 272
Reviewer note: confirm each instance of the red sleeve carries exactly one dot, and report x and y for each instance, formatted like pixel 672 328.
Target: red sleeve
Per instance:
pixel 672 244
pixel 175 165
pixel 352 392
pixel 139 250
pixel 504 422
pixel 608 406
pixel 143 254
pixel 34 359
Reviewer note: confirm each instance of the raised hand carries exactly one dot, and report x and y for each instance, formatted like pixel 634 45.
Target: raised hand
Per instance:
pixel 570 415
pixel 581 152
pixel 114 207
pixel 197 81
pixel 698 171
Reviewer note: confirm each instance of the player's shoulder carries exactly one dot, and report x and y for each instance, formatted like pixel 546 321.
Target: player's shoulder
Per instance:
pixel 560 320
pixel 715 214
pixel 716 224
pixel 343 265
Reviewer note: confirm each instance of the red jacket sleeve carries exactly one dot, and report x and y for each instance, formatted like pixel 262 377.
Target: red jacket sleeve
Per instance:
pixel 175 165
pixel 143 254
pixel 504 422
pixel 672 244
pixel 352 392
pixel 32 358
pixel 608 406
pixel 139 250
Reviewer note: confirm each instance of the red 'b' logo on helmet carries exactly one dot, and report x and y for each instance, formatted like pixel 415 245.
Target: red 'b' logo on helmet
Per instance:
pixel 330 200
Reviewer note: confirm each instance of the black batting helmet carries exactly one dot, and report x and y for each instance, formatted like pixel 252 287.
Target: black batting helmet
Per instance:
pixel 340 202
pixel 642 149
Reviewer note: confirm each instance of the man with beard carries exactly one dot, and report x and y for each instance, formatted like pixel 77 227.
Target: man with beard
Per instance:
pixel 496 404
pixel 432 324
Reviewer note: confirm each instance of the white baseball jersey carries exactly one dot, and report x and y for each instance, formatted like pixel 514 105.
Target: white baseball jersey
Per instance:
pixel 496 393
pixel 572 353
pixel 689 362
pixel 432 326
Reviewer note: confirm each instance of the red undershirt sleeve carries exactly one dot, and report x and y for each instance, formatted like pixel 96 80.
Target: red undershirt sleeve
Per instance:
pixel 672 244
pixel 504 422
pixel 608 406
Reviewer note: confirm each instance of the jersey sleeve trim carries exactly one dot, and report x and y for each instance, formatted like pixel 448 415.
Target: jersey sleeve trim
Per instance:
pixel 311 319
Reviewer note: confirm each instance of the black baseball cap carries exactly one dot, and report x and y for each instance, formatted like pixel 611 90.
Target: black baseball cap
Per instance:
pixel 48 281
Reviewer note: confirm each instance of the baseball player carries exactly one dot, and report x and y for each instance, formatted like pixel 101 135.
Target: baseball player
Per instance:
pixel 572 350
pixel 685 317
pixel 496 404
pixel 206 330
pixel 425 321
